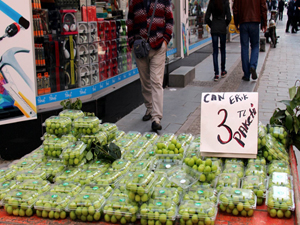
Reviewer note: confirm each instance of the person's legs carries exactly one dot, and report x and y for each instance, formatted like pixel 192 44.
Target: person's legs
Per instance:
pixel 254 41
pixel 294 24
pixel 223 51
pixel 244 39
pixel 288 23
pixel 157 67
pixel 144 72
pixel 215 40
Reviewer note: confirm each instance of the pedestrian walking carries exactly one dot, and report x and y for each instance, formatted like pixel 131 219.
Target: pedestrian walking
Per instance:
pixel 291 13
pixel 280 9
pixel 151 67
pixel 248 14
pixel 219 10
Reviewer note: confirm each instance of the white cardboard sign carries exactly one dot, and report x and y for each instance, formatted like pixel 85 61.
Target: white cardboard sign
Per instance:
pixel 229 123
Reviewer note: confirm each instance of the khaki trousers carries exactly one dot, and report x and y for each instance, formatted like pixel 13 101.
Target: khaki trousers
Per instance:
pixel 151 70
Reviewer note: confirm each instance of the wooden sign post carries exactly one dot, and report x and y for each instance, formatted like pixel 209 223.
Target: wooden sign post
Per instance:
pixel 229 123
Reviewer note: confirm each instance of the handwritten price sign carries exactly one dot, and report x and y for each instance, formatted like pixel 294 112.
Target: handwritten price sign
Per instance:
pixel 229 124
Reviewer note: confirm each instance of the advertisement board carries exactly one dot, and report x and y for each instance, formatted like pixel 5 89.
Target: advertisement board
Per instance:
pixel 17 63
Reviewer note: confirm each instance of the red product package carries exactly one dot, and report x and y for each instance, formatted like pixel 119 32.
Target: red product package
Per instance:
pixel 88 13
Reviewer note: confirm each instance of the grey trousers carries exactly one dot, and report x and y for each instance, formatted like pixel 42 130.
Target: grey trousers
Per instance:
pixel 151 70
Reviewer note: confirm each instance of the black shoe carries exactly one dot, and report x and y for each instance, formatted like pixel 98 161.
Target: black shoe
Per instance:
pixel 245 78
pixel 147 117
pixel 156 126
pixel 224 73
pixel 253 72
pixel 287 31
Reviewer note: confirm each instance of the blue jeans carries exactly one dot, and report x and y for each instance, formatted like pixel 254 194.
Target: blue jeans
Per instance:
pixel 249 32
pixel 215 40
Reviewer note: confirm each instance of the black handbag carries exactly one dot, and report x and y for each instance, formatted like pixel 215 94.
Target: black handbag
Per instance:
pixel 141 47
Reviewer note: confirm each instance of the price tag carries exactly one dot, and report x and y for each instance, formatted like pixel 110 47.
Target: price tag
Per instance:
pixel 232 127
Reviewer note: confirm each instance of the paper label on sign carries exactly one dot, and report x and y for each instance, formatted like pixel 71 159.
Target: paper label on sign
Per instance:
pixel 232 124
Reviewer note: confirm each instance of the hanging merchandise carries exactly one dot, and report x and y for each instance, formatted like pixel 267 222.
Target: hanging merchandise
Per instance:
pixel 68 22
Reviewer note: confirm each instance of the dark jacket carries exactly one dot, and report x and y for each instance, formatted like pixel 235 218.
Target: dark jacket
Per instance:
pixel 291 8
pixel 138 22
pixel 218 23
pixel 281 6
pixel 249 11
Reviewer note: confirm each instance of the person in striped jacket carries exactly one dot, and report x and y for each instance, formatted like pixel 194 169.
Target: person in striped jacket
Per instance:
pixel 151 68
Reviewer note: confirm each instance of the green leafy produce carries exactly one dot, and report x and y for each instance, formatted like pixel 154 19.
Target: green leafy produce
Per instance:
pixel 7 174
pixel 20 202
pixel 109 152
pixel 86 207
pixel 120 210
pixel 166 194
pixel 280 202
pixel 140 186
pixel 104 191
pixel 197 212
pixel 254 169
pixel 54 146
pixel 280 179
pixel 52 205
pixel 86 125
pixel 158 211
pixel 70 188
pixel 31 174
pixel 234 168
pixel 40 186
pixel 228 180
pixel 74 153
pixel 257 184
pixel 58 125
pixel 237 201
pixel 279 166
pixel 201 194
pixel 71 113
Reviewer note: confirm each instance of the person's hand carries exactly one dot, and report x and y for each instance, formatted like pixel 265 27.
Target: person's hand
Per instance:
pixel 264 29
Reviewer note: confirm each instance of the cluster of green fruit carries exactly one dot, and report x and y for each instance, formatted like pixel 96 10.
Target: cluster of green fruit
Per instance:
pixel 86 125
pixel 47 136
pixel 110 129
pixel 280 202
pixel 108 178
pixel 23 164
pixel 120 165
pixel 196 212
pixel 52 169
pixel 204 185
pixel 58 125
pixel 5 187
pixel 20 202
pixel 214 160
pixel 279 166
pixel 54 146
pixel 140 165
pixel 120 189
pixel 123 143
pixel 169 148
pixel 120 134
pixel 7 174
pixel 194 147
pixel 262 133
pixel 36 157
pixel 86 207
pixel 185 139
pixel 165 165
pixel 166 194
pixel 260 160
pixel 70 188
pixel 133 154
pixel 31 174
pixel 74 153
pixel 199 194
pixel 161 180
pixel 132 135
pixel 140 186
pixel 105 191
pixel 52 205
pixel 69 137
pixel 258 185
pixel 68 173
pixel 71 113
pixel 237 201
pixel 235 161
pixel 197 139
pixel 167 137
pixel 89 139
pixel 97 164
pixel 280 179
pixel 149 154
pixel 234 168
pixel 208 169
pixel 227 180
pixel 40 186
pixel 120 209
pixel 85 176
pixel 274 150
pixel 173 185
pixel 158 212
pixel 254 169
pixel 280 134
pixel 184 176
pixel 150 136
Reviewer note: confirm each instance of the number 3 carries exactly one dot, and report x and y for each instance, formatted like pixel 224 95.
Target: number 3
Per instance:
pixel 222 124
